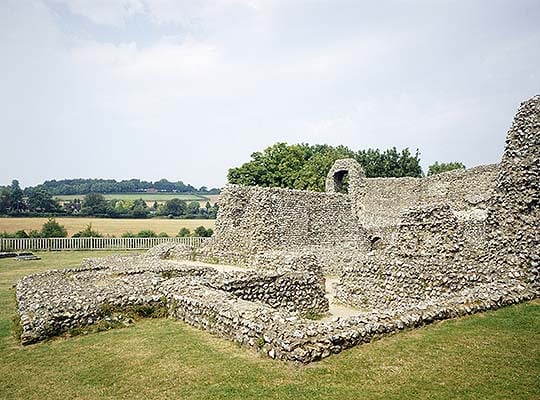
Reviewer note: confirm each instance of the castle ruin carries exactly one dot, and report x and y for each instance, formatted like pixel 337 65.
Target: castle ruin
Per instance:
pixel 301 275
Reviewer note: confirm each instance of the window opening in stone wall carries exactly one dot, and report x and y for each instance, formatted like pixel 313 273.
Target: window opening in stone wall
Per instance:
pixel 341 181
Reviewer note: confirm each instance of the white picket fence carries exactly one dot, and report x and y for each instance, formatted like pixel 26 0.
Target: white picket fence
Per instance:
pixel 93 243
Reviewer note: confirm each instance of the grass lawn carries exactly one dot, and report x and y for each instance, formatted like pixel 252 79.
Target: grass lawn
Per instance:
pixel 107 226
pixel 495 355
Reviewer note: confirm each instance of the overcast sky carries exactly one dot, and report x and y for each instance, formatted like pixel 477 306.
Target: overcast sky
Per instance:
pixel 184 90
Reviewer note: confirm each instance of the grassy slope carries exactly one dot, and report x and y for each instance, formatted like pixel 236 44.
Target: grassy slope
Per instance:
pixel 495 355
pixel 107 226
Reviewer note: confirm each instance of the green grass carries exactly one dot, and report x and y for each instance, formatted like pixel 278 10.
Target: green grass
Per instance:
pixel 495 355
pixel 145 196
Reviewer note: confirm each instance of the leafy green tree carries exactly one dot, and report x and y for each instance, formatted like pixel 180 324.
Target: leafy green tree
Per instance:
pixel 304 166
pixel 193 207
pixel 184 232
pixel 201 231
pixel 95 204
pixel 163 234
pixel 175 207
pixel 437 168
pixel 146 233
pixel 5 200
pixel 17 198
pixel 34 234
pixel 21 234
pixel 139 211
pixel 40 200
pixel 88 232
pixel 51 229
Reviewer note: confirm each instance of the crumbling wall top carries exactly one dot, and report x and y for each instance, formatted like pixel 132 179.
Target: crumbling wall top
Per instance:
pixel 334 179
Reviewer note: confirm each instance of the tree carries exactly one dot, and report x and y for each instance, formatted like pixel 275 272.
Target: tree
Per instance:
pixel 51 228
pixel 193 207
pixel 184 232
pixel 140 209
pixel 5 200
pixel 146 233
pixel 304 166
pixel 201 231
pixel 175 207
pixel 88 232
pixel 21 234
pixel 17 201
pixel 40 200
pixel 95 204
pixel 437 168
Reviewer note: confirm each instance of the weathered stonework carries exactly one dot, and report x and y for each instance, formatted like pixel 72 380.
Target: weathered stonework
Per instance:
pixel 406 251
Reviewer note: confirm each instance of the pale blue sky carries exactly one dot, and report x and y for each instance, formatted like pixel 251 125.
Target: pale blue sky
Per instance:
pixel 187 89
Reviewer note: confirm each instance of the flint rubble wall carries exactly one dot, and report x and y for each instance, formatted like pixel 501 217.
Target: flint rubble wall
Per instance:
pixel 462 253
pixel 255 220
pixel 382 200
pixel 431 254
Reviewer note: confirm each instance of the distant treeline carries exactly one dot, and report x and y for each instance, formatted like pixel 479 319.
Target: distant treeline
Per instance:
pixel 40 202
pixel 85 186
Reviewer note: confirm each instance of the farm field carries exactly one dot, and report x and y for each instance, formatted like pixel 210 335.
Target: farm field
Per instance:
pixel 149 198
pixel 494 355
pixel 107 226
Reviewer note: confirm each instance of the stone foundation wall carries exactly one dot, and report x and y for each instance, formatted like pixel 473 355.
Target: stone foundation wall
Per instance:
pixel 59 300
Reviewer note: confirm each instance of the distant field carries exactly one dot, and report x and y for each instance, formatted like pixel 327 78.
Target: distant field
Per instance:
pixel 107 226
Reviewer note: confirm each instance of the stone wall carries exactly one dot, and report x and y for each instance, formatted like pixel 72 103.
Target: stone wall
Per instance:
pixel 382 200
pixel 433 254
pixel 514 214
pixel 59 300
pixel 469 243
pixel 254 220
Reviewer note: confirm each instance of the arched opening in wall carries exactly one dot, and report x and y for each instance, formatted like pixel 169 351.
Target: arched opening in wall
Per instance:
pixel 341 181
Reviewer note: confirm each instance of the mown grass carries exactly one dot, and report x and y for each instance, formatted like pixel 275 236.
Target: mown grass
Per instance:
pixel 495 355
pixel 107 226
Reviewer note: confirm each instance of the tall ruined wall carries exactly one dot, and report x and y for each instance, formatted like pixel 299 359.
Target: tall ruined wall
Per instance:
pixel 431 256
pixel 382 200
pixel 252 220
pixel 514 213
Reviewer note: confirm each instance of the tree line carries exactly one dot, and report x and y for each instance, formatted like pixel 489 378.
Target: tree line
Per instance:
pixel 39 202
pixel 304 166
pixel 85 186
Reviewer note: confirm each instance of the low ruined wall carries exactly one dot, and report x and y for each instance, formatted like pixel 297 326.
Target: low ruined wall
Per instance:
pixel 295 292
pixel 59 300
pixel 382 200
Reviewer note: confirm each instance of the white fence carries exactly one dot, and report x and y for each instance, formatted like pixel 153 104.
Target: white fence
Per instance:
pixel 93 243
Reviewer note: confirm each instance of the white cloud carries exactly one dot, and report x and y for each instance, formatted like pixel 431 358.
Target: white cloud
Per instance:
pixel 218 79
pixel 105 12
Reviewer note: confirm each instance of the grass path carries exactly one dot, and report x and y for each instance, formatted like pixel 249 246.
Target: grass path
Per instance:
pixel 495 355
